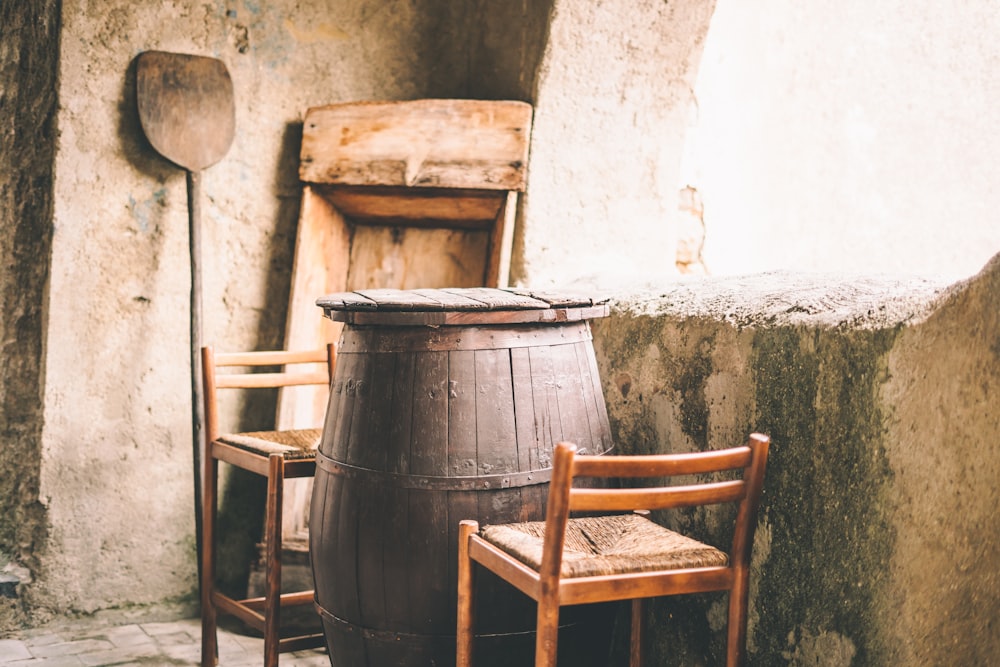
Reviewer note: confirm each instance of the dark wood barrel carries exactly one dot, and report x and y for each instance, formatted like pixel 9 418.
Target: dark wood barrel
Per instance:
pixel 437 415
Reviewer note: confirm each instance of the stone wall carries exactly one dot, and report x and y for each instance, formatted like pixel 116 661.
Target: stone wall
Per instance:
pixel 29 60
pixel 874 542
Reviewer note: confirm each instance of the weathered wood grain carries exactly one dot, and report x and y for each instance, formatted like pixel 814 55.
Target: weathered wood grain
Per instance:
pixel 465 432
pixel 418 143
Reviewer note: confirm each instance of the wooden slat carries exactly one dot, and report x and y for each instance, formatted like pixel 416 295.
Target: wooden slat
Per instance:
pixel 548 428
pixel 408 258
pixel 497 299
pixel 657 498
pixel 462 420
pixel 663 465
pixel 269 357
pixel 494 410
pixel 593 399
pixel 265 380
pixel 421 143
pixel 569 392
pixel 514 571
pixel 524 411
pixel 422 207
pixel 502 243
pixel 395 299
pixel 560 298
pixel 430 415
pixel 583 590
pixel 451 301
pixel 395 524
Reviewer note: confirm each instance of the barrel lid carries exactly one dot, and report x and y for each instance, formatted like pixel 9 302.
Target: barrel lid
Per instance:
pixel 460 305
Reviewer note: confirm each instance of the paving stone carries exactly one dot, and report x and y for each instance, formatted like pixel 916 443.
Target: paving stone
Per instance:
pixel 99 643
pixel 79 647
pixel 168 628
pixel 144 655
pixel 43 639
pixel 13 649
pixel 128 635
pixel 58 661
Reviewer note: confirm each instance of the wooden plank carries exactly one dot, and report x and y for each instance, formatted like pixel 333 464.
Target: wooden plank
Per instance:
pixel 429 433
pixel 408 258
pixel 420 143
pixel 561 298
pixel 498 299
pixel 394 299
pixel 495 426
pixel 593 400
pixel 322 249
pixel 462 399
pixel 396 524
pixel 427 563
pixel 344 392
pixel 451 301
pixel 524 411
pixel 465 317
pixel 569 396
pixel 428 510
pixel 548 429
pixel 401 419
pixel 413 206
pixel 502 243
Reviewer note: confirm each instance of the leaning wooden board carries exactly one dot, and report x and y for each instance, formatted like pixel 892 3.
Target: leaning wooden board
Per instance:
pixel 404 195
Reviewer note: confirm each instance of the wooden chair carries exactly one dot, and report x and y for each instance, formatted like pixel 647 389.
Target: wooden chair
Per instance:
pixel 276 455
pixel 622 556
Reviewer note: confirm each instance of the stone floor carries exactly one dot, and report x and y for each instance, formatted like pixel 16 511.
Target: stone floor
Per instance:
pixel 163 643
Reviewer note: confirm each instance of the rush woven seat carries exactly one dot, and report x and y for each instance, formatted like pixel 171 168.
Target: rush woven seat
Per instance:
pixel 601 545
pixel 619 555
pixel 276 455
pixel 297 444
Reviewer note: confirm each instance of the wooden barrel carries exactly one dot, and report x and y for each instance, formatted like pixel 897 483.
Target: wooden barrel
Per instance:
pixel 428 425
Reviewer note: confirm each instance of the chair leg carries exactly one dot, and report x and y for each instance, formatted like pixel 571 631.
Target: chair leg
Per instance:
pixel 209 639
pixel 272 559
pixel 736 630
pixel 547 632
pixel 465 631
pixel 636 642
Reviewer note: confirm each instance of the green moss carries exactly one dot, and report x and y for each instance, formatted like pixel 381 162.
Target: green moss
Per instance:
pixel 817 396
pixel 690 373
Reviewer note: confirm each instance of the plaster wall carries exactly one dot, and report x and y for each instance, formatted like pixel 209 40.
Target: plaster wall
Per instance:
pixel 875 535
pixel 849 136
pixel 611 109
pixel 116 452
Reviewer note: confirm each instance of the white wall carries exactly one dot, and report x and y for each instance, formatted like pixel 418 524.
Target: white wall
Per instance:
pixel 849 136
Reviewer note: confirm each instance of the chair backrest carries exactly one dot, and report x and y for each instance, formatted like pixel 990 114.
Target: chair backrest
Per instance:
pixel 294 370
pixel 564 497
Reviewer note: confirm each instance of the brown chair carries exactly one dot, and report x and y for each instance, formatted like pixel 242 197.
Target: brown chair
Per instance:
pixel 621 556
pixel 276 455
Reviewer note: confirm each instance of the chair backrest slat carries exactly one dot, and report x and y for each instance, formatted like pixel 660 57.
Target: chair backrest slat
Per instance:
pixel 708 480
pixel 270 357
pixel 662 465
pixel 297 368
pixel 657 498
pixel 266 380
